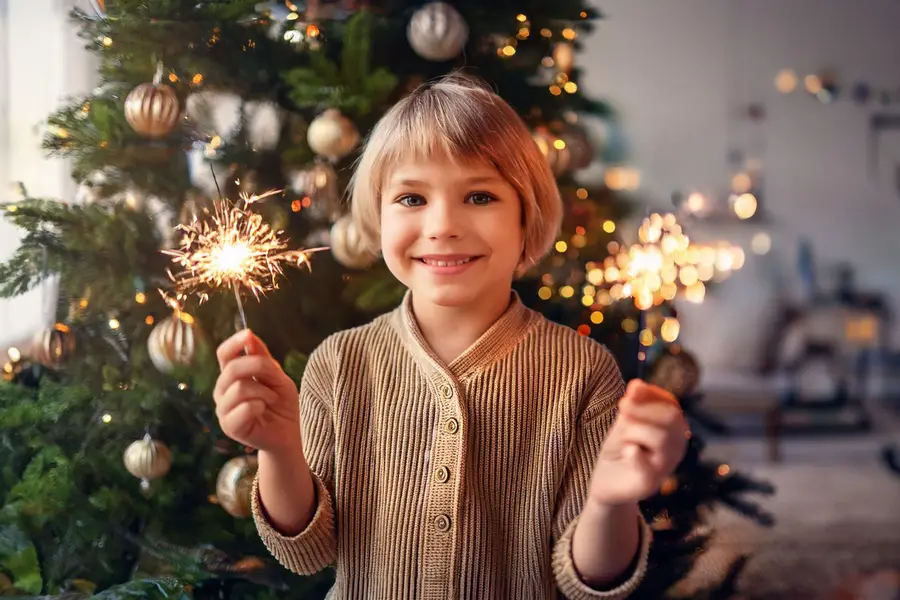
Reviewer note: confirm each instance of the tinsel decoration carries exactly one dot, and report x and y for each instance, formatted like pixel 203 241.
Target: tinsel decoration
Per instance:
pixel 234 484
pixel 173 342
pixel 153 109
pixel 437 32
pixel 147 459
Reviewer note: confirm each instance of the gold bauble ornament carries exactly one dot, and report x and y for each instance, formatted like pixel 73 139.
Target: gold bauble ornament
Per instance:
pixel 437 32
pixel 173 342
pixel 332 135
pixel 53 346
pixel 147 459
pixel 234 484
pixel 347 246
pixel 319 183
pixel 153 110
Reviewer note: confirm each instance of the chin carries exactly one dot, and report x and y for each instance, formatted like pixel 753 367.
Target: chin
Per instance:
pixel 446 296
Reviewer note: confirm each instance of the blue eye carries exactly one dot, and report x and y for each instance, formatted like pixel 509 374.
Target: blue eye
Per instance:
pixel 411 201
pixel 481 199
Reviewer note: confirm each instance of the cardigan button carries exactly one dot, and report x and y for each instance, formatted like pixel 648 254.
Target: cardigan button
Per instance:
pixel 452 426
pixel 442 474
pixel 447 391
pixel 442 523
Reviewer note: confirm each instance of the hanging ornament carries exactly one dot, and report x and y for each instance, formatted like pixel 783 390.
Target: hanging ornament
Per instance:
pixel 564 56
pixel 319 184
pixel 53 346
pixel 173 342
pixel 153 109
pixel 677 371
pixel 553 149
pixel 437 32
pixel 581 152
pixel 347 247
pixel 147 459
pixel 332 135
pixel 234 484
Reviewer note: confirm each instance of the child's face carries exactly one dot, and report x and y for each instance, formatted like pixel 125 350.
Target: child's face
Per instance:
pixel 451 231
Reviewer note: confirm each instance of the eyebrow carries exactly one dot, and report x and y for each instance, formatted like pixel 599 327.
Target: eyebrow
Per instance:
pixel 481 179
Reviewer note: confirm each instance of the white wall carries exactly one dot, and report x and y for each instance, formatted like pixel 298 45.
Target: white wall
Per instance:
pixel 681 73
pixel 43 62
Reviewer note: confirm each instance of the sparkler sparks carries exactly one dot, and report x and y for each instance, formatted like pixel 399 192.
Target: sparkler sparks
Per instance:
pixel 234 248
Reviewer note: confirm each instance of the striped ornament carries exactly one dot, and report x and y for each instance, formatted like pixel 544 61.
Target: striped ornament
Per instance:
pixel 437 32
pixel 173 342
pixel 147 459
pixel 153 111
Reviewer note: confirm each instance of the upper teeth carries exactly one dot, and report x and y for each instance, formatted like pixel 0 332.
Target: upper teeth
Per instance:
pixel 445 263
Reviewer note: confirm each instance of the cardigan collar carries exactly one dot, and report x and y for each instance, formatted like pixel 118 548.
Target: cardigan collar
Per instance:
pixel 495 343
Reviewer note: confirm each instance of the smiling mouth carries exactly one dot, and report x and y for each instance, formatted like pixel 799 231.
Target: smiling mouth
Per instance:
pixel 435 262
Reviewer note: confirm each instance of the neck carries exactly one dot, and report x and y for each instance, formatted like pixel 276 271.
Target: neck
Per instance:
pixel 451 330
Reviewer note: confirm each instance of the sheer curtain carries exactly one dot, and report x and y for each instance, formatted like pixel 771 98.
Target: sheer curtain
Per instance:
pixel 43 63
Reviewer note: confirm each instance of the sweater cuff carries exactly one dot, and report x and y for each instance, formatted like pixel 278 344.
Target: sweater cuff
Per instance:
pixel 573 586
pixel 312 549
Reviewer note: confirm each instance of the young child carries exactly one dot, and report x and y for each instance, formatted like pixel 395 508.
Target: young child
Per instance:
pixel 461 446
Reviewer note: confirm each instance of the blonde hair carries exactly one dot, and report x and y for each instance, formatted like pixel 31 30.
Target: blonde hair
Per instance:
pixel 458 117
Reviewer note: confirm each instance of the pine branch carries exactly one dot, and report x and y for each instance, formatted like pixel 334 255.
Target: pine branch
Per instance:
pixel 353 86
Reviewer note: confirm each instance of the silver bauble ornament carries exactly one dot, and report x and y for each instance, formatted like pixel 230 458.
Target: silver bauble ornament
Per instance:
pixel 173 342
pixel 437 32
pixel 147 459
pixel 347 246
pixel 332 135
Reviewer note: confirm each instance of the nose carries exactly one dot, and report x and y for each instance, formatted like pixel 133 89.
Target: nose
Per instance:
pixel 442 220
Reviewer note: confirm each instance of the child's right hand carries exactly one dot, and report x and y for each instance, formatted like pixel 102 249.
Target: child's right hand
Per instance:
pixel 256 402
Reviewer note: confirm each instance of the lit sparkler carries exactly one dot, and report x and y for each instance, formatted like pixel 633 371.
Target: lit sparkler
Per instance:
pixel 234 248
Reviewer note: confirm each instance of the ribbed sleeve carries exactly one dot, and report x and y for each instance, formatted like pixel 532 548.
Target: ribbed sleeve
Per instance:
pixel 591 428
pixel 312 549
pixel 572 586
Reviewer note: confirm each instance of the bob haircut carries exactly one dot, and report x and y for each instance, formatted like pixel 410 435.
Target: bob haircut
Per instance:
pixel 457 117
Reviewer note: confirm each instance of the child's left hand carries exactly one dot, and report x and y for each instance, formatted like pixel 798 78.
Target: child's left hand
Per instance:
pixel 644 445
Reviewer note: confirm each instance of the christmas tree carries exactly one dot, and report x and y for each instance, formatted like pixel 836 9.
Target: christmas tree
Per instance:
pixel 115 480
